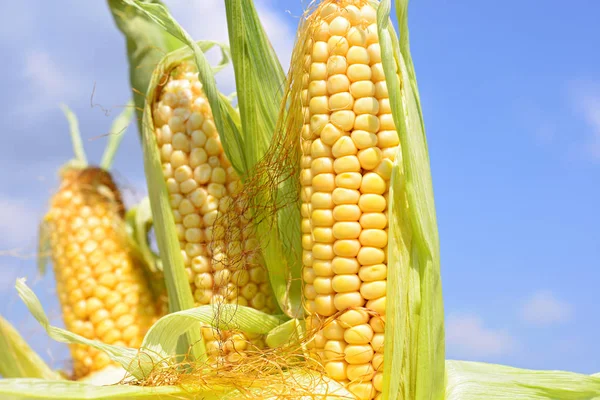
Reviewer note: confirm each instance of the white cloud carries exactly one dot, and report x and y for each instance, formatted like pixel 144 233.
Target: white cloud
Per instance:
pixel 543 308
pixel 467 336
pixel 590 109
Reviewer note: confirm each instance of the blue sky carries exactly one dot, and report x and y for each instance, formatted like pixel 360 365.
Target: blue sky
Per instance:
pixel 511 97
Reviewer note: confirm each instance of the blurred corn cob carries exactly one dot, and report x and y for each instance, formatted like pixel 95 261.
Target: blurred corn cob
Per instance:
pixel 349 142
pixel 221 256
pixel 101 284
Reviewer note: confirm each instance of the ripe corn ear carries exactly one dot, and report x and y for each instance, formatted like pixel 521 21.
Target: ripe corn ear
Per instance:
pixel 349 142
pixel 102 288
pixel 223 262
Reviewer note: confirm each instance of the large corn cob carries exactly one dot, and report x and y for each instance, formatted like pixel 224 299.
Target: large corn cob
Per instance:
pixel 102 289
pixel 349 142
pixel 220 255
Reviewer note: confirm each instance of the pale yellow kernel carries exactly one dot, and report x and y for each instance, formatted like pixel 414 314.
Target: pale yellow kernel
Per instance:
pixel 346 212
pixel 363 139
pixel 373 221
pixel 321 200
pixel 367 122
pixel 320 149
pixel 323 251
pixel 249 290
pixel 324 182
pixel 210 218
pixel 323 235
pixel 343 301
pixel 198 138
pixel 307 241
pixel 204 280
pixel 322 285
pixel 389 153
pixel 202 173
pixel 386 122
pixel 218 175
pixel 362 89
pixel 334 350
pixel 345 196
pixel 366 105
pixel 322 31
pixel 333 330
pixel 373 290
pixel 177 124
pixel 384 106
pixel 378 362
pixel 320 52
pixel 346 283
pixel 377 342
pixel 336 65
pixel 181 142
pixel 183 173
pixel 372 203
pixel 324 305
pixel 384 169
pixel 353 318
pixel 192 221
pixel 194 235
pixel 305 210
pixel 374 53
pixel 346 248
pixel 381 90
pixel 341 101
pixel 372 183
pixel 317 88
pixel 166 150
pixel 321 165
pixel 348 180
pixel 378 382
pixel 241 277
pixel 167 170
pixel 374 238
pixel 339 26
pixel 372 273
pixel 362 390
pixel 368 14
pixel 338 83
pixel 322 267
pixel 318 71
pixel 198 157
pixel 172 186
pixel 388 138
pixel 360 372
pixel 336 370
pixel 317 123
pixel 330 134
pixel 342 265
pixel 258 301
pixel 358 353
pixel 346 230
pixel 378 324
pixel 343 119
pixel 344 146
pixel 359 334
pixel 358 55
pixel 346 164
pixel 188 186
pixel 308 275
pixel 377 305
pixel 309 292
pixel 306 176
pixel 338 45
pixel 307 258
pixel 370 256
pixel 357 37
pixel 319 105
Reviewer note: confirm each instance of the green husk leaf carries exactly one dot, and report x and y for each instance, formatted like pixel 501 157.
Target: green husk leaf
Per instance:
pixel 139 223
pixel 18 359
pixel 476 380
pixel 117 132
pixel 160 342
pixel 231 138
pixel 259 77
pixel 80 158
pixel 414 340
pixel 146 43
pixel 259 81
pixel 289 332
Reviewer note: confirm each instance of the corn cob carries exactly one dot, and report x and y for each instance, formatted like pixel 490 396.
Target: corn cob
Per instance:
pixel 348 143
pixel 102 289
pixel 222 261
